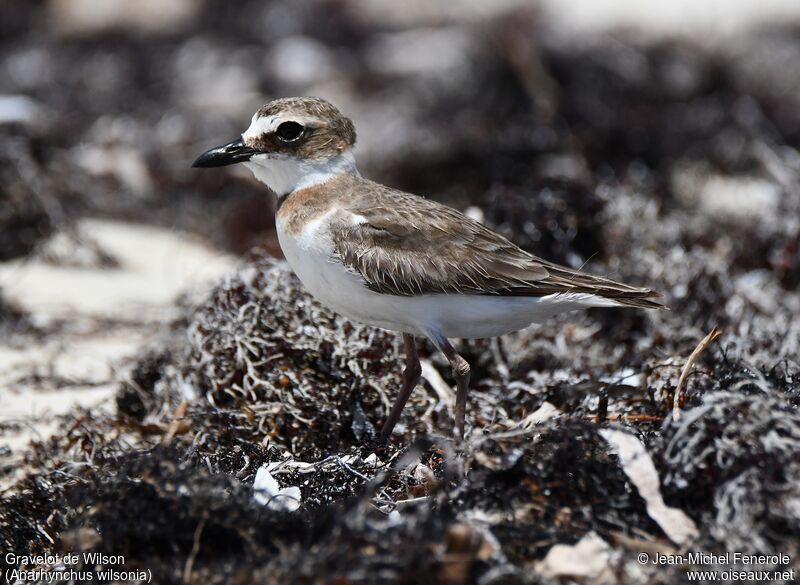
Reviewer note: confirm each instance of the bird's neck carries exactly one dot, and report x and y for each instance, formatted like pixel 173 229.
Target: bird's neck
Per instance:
pixel 286 174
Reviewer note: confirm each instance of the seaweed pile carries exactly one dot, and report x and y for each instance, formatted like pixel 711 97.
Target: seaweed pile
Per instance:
pixel 242 447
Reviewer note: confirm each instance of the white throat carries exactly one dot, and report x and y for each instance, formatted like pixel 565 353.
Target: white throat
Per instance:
pixel 284 174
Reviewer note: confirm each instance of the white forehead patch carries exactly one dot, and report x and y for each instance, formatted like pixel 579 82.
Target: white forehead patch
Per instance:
pixel 261 125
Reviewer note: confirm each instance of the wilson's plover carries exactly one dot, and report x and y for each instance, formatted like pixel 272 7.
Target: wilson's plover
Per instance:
pixel 395 260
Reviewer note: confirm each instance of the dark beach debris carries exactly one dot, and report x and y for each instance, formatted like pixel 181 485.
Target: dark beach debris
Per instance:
pixel 551 486
pixel 641 472
pixel 202 419
pixel 261 347
pixel 13 320
pixel 731 460
pixel 664 164
pixel 137 396
pixel 26 211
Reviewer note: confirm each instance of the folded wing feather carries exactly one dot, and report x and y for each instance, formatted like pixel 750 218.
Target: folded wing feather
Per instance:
pixel 406 245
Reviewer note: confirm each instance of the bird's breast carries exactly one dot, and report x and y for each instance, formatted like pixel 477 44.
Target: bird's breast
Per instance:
pixel 310 254
pixel 309 251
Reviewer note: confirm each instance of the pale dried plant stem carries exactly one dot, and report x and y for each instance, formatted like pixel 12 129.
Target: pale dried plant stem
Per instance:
pixel 701 347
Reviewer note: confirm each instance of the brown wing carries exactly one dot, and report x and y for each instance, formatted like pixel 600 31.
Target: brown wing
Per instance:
pixel 407 245
pixel 413 246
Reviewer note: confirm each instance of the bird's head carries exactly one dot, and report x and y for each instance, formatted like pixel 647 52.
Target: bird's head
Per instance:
pixel 291 143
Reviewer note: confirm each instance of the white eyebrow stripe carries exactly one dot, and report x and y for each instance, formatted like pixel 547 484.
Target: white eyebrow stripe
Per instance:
pixel 267 124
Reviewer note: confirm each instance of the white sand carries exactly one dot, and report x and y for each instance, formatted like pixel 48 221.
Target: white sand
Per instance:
pixel 84 364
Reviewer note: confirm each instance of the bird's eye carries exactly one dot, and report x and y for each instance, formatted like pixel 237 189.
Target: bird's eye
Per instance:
pixel 289 131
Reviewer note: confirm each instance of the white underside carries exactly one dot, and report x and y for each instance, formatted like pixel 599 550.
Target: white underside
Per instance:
pixel 470 316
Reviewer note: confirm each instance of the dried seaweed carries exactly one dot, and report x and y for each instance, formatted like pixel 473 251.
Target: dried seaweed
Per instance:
pixel 627 156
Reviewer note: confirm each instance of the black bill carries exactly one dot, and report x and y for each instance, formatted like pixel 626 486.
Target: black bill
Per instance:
pixel 233 152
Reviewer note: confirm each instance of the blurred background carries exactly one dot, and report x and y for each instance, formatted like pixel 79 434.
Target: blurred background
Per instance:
pixel 559 123
pixel 655 143
pixel 105 104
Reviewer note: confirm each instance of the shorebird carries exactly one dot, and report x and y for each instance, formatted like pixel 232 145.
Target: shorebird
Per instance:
pixel 395 260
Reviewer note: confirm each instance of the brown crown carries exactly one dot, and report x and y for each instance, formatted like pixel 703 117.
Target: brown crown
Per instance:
pixel 327 131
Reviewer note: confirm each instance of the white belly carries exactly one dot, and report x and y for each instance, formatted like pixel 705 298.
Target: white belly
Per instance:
pixel 311 258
